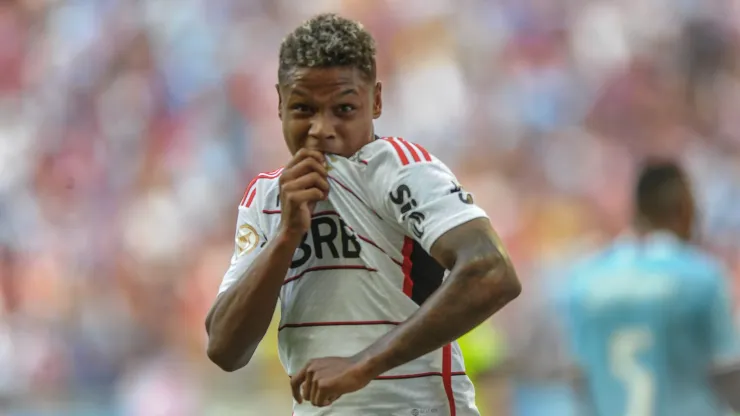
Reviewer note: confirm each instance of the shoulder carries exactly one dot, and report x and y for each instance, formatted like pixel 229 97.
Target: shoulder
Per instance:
pixel 262 189
pixel 704 265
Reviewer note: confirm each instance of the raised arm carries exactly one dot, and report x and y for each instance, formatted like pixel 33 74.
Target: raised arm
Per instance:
pixel 481 281
pixel 239 318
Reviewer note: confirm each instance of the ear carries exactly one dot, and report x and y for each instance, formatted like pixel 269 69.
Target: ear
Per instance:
pixel 280 101
pixel 378 100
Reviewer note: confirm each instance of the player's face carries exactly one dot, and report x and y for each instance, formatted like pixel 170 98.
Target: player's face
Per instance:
pixel 329 109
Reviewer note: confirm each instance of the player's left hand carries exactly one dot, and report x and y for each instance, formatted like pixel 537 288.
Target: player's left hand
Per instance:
pixel 324 380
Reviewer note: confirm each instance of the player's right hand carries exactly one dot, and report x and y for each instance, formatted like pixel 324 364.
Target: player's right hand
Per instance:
pixel 303 183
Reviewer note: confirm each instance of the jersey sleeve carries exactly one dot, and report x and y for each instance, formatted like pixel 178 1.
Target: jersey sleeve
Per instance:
pixel 249 240
pixel 723 336
pixel 421 194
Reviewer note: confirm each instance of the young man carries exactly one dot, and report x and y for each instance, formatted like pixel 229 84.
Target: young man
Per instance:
pixel 354 237
pixel 650 318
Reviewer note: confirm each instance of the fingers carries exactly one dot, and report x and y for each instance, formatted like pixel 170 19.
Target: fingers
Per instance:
pixel 308 385
pixel 319 396
pixel 304 154
pixel 312 180
pixel 306 196
pixel 295 384
pixel 304 167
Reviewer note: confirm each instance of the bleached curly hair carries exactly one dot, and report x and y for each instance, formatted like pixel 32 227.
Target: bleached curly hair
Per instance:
pixel 325 41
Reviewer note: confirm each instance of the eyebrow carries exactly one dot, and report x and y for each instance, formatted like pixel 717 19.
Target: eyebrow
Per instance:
pixel 349 91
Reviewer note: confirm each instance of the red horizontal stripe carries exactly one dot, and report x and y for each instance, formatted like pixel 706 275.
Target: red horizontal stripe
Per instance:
pixel 417 375
pixel 336 323
pixel 420 375
pixel 321 268
pixel 315 214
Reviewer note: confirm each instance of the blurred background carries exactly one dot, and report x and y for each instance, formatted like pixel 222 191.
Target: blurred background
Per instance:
pixel 129 129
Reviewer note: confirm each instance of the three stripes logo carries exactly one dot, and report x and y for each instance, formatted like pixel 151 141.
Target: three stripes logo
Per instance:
pixel 408 152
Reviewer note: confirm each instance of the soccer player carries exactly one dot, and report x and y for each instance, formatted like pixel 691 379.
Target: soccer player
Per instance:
pixel 379 259
pixel 649 316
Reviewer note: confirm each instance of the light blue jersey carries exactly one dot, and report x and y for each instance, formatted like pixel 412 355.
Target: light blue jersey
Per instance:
pixel 647 318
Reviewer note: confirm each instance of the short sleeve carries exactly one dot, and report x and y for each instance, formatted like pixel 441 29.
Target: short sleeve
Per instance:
pixel 249 240
pixel 426 200
pixel 723 334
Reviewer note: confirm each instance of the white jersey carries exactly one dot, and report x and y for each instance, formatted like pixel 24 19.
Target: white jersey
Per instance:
pixel 364 268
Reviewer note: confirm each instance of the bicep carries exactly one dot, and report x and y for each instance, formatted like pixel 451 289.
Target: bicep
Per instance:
pixel 469 241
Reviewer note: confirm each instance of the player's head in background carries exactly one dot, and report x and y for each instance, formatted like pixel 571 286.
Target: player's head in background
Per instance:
pixel 663 200
pixel 327 85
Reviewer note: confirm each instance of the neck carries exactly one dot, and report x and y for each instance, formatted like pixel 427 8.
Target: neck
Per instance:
pixel 644 229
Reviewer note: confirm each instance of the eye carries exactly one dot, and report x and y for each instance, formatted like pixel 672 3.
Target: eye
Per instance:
pixel 345 108
pixel 300 108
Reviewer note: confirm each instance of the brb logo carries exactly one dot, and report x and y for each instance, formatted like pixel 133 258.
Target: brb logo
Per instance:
pixel 403 199
pixel 329 237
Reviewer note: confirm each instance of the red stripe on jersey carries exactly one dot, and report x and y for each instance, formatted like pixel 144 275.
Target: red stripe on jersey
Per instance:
pixel 372 243
pixel 421 149
pixel 251 198
pixel 249 188
pixel 408 283
pixel 401 154
pixel 447 377
pixel 246 200
pixel 411 149
pixel 320 268
pixel 314 215
pixel 419 375
pixel 336 323
pixel 415 375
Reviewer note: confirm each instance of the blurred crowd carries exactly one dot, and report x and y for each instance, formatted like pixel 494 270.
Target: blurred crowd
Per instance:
pixel 129 129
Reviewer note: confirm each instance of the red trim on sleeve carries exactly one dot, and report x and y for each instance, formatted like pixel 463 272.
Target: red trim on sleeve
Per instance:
pixel 411 149
pixel 399 151
pixel 249 196
pixel 421 149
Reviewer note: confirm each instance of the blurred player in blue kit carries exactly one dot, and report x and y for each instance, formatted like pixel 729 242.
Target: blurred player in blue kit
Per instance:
pixel 649 317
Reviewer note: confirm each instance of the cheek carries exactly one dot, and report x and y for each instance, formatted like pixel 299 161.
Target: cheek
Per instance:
pixel 295 132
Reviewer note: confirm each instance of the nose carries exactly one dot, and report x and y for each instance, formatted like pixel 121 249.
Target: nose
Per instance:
pixel 322 129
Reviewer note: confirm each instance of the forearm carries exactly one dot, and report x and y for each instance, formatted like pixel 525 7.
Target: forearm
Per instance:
pixel 473 292
pixel 241 315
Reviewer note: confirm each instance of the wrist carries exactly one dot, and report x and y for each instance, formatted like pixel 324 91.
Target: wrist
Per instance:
pixel 289 238
pixel 368 365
